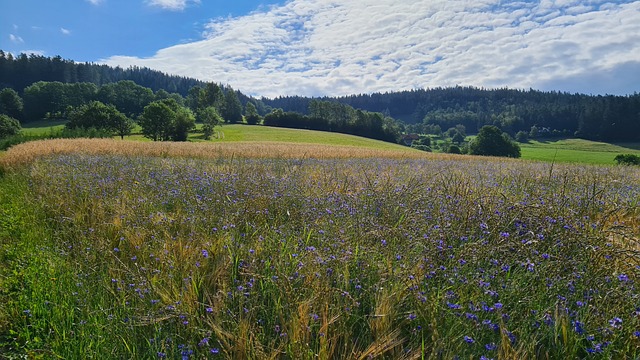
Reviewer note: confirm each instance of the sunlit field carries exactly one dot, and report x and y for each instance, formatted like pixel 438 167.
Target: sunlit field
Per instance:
pixel 193 252
pixel 27 152
pixel 576 151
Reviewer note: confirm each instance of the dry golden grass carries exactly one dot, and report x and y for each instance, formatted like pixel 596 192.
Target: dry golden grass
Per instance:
pixel 30 151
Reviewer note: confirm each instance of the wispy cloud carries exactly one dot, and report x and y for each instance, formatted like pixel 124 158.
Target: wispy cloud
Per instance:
pixel 16 39
pixel 173 5
pixel 95 2
pixel 318 47
pixel 65 31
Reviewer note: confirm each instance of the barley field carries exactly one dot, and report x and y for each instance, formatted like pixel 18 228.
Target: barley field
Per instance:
pixel 251 251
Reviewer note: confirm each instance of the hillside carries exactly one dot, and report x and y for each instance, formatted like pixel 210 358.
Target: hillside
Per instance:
pixel 602 118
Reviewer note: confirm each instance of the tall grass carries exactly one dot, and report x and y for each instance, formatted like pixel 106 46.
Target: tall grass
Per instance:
pixel 117 256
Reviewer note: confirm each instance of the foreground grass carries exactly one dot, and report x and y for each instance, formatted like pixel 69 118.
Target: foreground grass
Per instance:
pixel 303 258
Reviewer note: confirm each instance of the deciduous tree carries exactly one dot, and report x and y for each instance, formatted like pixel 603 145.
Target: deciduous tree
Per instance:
pixel 157 121
pixel 251 114
pixel 11 103
pixel 8 126
pixel 100 116
pixel 491 141
pixel 210 119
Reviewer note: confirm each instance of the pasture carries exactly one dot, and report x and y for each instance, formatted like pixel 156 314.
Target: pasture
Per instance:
pixel 576 150
pixel 113 249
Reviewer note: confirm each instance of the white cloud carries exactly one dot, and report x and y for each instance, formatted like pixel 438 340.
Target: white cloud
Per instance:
pixel 173 5
pixel 318 47
pixel 95 2
pixel 65 31
pixel 16 39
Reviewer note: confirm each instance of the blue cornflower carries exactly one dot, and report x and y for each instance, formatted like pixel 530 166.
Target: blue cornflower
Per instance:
pixel 615 322
pixel 491 346
pixel 453 306
pixel 468 340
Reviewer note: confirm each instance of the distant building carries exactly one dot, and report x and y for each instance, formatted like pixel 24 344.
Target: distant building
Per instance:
pixel 408 139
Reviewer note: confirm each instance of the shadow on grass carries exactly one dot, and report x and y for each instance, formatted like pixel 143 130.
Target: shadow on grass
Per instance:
pixel 630 145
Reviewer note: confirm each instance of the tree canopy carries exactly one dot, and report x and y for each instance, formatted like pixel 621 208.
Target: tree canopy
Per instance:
pixel 11 103
pixel 8 126
pixel 100 116
pixel 166 120
pixel 209 118
pixel 491 141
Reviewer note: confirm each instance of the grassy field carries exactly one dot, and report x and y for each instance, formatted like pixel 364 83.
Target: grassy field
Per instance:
pixel 576 150
pixel 43 127
pixel 560 151
pixel 136 255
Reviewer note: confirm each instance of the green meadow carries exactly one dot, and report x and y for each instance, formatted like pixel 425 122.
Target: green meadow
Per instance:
pixel 576 151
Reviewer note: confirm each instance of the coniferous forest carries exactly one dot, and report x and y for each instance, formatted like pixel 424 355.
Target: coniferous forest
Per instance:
pixel 593 117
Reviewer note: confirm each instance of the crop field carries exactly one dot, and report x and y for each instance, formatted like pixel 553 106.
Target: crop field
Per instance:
pixel 152 253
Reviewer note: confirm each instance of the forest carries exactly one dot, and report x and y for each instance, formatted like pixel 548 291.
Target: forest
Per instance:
pixel 66 83
pixel 593 117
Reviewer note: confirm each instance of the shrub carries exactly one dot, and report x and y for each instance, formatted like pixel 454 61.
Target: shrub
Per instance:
pixel 522 136
pixel 422 147
pixel 454 149
pixel 627 159
pixel 491 141
pixel 8 126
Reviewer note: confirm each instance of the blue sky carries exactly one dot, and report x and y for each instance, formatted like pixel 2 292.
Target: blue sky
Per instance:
pixel 84 30
pixel 340 47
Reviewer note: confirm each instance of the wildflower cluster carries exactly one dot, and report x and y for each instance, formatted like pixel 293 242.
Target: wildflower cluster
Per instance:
pixel 343 258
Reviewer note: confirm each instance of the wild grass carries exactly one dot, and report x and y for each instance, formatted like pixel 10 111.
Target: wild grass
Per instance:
pixel 138 254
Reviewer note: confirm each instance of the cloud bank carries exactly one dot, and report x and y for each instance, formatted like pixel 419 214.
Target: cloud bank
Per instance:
pixel 330 47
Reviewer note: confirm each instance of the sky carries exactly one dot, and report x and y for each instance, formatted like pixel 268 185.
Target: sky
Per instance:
pixel 342 47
